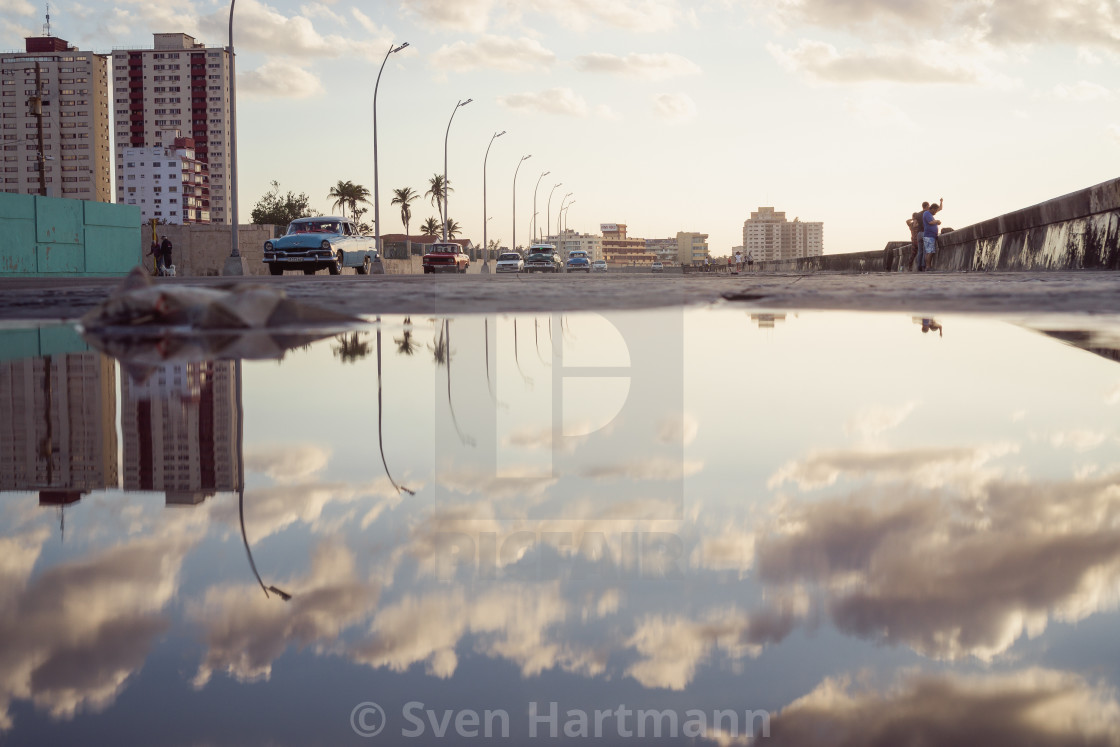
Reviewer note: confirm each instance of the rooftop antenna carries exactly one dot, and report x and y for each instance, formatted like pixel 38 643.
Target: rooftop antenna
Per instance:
pixel 47 25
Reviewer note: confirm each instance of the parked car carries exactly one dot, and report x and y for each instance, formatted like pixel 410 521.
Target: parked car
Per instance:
pixel 599 265
pixel 543 258
pixel 312 244
pixel 510 262
pixel 578 261
pixel 447 257
pixel 657 267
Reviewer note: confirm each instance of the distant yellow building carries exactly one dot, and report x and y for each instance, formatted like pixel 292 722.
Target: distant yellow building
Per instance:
pixel 692 247
pixel 618 249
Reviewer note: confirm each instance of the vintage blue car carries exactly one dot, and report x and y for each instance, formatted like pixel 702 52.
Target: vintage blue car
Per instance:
pixel 578 261
pixel 312 244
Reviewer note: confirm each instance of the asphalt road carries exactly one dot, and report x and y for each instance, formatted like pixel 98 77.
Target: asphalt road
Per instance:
pixel 1091 292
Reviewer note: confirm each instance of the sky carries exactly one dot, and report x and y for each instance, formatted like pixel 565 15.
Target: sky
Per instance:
pixel 666 115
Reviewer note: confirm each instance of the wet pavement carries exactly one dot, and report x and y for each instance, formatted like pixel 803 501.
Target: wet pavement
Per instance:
pixel 674 525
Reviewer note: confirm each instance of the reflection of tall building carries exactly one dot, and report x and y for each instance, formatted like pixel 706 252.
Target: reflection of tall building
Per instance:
pixel 767 321
pixel 179 427
pixel 58 424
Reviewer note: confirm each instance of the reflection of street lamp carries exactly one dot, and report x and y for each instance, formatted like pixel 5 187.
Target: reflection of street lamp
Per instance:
pixel 513 241
pixel 376 203
pixel 446 216
pixel 380 441
pixel 542 176
pixel 485 220
pixel 241 487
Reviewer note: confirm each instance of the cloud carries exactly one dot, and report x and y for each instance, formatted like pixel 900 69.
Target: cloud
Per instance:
pixel 678 429
pixel 471 16
pixel 288 462
pixel 1082 91
pixel 492 53
pixel 875 421
pixel 17 7
pixel 602 111
pixel 652 66
pixel 1114 132
pixel 557 101
pixel 674 107
pixel 245 631
pixel 639 16
pixel 931 62
pixel 261 28
pixel 1078 440
pixel 1040 707
pixel 955 576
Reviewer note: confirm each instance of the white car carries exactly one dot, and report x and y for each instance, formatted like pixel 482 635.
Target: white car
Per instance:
pixel 510 262
pixel 599 265
pixel 657 267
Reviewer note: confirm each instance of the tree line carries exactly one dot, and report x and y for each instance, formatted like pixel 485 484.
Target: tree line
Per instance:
pixel 281 209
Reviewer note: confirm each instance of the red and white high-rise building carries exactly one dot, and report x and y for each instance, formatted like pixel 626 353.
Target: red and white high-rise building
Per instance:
pixel 179 87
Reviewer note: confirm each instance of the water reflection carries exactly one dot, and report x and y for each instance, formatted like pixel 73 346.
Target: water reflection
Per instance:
pixel 674 510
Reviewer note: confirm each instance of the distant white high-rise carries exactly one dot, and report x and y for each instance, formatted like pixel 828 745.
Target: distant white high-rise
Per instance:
pixel 168 183
pixel 768 235
pixel 179 87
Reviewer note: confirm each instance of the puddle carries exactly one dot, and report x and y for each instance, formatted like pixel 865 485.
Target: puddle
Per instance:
pixel 858 524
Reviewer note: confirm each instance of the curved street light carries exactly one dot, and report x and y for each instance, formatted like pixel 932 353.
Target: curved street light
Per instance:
pixel 542 176
pixel 548 213
pixel 234 265
pixel 573 202
pixel 446 217
pixel 376 200
pixel 561 211
pixel 513 241
pixel 486 220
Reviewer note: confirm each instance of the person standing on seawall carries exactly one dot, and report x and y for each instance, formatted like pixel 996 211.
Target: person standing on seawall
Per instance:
pixel 929 236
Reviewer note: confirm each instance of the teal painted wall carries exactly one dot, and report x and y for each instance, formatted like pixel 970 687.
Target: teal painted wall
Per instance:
pixel 52 236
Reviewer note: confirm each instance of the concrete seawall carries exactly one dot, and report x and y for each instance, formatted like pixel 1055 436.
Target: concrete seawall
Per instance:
pixel 1077 231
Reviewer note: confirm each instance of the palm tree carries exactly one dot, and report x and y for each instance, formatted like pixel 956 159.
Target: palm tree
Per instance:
pixel 340 193
pixel 453 229
pixel 351 348
pixel 431 227
pixel 358 193
pixel 437 192
pixel 405 197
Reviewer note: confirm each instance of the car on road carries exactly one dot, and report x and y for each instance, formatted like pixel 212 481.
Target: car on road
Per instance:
pixel 657 267
pixel 312 244
pixel 578 261
pixel 441 257
pixel 599 265
pixel 510 262
pixel 543 258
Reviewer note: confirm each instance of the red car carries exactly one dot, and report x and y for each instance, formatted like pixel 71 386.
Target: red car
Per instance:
pixel 445 258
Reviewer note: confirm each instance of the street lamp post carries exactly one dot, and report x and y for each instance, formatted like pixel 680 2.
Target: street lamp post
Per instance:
pixel 558 215
pixel 542 176
pixel 573 202
pixel 548 213
pixel 485 219
pixel 446 216
pixel 235 263
pixel 376 200
pixel 513 244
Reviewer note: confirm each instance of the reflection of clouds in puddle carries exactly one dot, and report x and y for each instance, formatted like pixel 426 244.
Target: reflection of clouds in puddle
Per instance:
pixel 71 638
pixel 673 647
pixel 679 429
pixel 1037 707
pixel 1078 440
pixel 954 577
pixel 246 631
pixel 928 467
pixel 1113 397
pixel 287 463
pixel 635 470
pixel 874 421
pixel 730 550
pixel 511 621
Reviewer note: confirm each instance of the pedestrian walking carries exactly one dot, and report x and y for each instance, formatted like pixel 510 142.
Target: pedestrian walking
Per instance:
pixel 165 256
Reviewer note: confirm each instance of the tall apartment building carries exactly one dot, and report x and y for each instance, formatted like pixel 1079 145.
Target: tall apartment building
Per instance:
pixel 179 87
pixel 570 240
pixel 167 183
pixel 73 87
pixel 665 249
pixel 620 249
pixel 179 427
pixel 58 423
pixel 768 235
pixel 692 247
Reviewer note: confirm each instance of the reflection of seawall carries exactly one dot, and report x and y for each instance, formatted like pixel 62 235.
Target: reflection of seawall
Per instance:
pixel 58 423
pixel 179 428
pixel 1077 231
